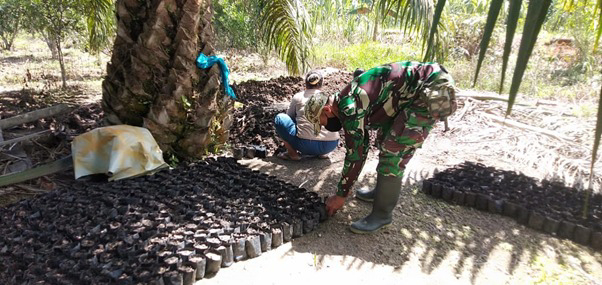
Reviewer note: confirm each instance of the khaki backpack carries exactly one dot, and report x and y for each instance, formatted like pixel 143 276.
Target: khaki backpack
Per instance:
pixel 440 97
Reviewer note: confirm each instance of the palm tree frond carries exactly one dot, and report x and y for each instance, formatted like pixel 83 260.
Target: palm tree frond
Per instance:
pixel 434 25
pixel 100 21
pixel 511 23
pixel 386 10
pixel 397 14
pixel 412 14
pixel 285 27
pixel 536 14
pixel 406 9
pixel 494 12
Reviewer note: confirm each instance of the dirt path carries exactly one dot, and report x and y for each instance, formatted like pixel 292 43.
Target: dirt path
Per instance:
pixel 429 242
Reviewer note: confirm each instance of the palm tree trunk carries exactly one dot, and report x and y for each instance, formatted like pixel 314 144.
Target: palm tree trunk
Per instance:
pixel 152 79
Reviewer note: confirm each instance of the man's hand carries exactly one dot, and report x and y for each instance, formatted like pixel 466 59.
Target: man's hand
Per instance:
pixel 334 203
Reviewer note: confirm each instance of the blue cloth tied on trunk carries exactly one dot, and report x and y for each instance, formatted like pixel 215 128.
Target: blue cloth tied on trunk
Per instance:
pixel 205 62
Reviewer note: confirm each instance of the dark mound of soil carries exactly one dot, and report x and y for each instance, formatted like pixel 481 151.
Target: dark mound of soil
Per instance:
pixel 282 89
pixel 547 206
pixel 254 122
pixel 176 225
pixel 265 93
pixel 82 119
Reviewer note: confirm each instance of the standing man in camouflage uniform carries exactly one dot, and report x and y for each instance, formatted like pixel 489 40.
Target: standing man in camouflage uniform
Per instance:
pixel 401 100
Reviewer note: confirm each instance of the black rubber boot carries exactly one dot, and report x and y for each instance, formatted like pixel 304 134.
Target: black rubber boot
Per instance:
pixel 366 194
pixel 386 195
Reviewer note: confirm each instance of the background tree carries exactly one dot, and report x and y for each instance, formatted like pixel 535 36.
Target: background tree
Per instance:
pixel 236 24
pixel 58 20
pixel 574 19
pixel 10 22
pixel 288 29
pixel 53 20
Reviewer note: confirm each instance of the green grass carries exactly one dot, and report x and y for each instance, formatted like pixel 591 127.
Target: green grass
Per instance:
pixel 364 55
pixel 539 80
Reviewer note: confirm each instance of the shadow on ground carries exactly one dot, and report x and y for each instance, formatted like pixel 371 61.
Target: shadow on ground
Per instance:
pixel 14 102
pixel 426 232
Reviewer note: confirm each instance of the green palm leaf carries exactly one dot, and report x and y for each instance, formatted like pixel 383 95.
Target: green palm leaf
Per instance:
pixel 406 11
pixel 397 14
pixel 511 23
pixel 536 14
pixel 494 11
pixel 100 21
pixel 434 24
pixel 285 27
pixel 413 15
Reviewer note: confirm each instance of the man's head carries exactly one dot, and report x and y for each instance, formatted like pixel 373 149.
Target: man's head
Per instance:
pixel 357 72
pixel 320 112
pixel 313 80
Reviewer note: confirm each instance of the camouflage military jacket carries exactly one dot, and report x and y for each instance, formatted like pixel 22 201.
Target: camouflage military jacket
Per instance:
pixel 372 101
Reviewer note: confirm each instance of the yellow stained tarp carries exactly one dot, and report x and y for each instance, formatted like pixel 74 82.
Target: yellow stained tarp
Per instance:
pixel 119 151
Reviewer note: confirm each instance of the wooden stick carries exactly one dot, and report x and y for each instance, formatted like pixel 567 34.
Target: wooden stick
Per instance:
pixel 31 189
pixel 467 106
pixel 484 96
pixel 24 138
pixel 33 116
pixel 11 156
pixel 47 169
pixel 527 127
pixel 490 97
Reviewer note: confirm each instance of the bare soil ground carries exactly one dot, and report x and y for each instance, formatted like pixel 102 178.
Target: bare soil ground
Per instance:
pixel 429 242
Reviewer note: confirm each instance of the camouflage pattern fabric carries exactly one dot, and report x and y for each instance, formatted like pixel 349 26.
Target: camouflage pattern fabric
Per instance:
pixel 388 99
pixel 313 109
pixel 440 97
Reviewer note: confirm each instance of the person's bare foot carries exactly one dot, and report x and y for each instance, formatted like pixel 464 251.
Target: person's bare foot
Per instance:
pixel 286 156
pixel 291 153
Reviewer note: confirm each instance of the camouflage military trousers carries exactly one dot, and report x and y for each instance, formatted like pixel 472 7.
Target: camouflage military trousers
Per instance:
pixel 398 140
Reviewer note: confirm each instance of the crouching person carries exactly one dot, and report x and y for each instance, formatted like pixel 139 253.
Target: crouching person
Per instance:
pixel 297 132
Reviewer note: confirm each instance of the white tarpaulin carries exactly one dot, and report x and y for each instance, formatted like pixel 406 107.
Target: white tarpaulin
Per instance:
pixel 118 151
